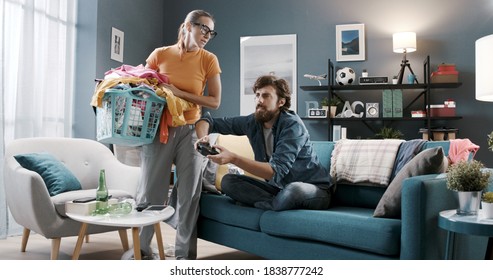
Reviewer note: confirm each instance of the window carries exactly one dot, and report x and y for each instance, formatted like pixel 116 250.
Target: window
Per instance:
pixel 37 48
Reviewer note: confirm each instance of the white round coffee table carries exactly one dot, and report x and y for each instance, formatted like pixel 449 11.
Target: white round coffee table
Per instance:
pixel 134 220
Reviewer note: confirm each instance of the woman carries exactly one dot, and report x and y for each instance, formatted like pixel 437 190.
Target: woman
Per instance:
pixel 189 68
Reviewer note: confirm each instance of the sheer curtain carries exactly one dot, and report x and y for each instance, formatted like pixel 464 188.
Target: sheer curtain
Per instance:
pixel 36 76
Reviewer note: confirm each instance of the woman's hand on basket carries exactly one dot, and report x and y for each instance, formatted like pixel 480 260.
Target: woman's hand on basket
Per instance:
pixel 176 91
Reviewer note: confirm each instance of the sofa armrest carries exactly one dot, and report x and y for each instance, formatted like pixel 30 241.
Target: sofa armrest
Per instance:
pixel 423 197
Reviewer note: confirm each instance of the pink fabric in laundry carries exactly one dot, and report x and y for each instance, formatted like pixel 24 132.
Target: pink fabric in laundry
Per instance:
pixel 138 71
pixel 460 149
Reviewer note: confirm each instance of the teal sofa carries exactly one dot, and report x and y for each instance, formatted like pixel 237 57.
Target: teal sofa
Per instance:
pixel 348 229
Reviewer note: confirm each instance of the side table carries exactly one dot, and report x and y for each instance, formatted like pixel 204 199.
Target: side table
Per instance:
pixel 134 220
pixel 473 225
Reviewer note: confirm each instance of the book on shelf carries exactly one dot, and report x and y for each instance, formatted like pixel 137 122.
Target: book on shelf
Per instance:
pixel 336 132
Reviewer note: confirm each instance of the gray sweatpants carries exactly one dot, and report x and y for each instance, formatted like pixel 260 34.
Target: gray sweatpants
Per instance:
pixel 157 159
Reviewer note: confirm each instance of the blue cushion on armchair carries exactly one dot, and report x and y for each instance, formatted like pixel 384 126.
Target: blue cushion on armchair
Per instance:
pixel 56 176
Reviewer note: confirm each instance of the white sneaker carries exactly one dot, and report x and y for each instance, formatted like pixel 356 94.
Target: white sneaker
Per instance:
pixel 152 255
pixel 169 250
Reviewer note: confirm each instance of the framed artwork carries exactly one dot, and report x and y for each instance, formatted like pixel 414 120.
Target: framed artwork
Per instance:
pixel 350 42
pixel 116 44
pixel 264 55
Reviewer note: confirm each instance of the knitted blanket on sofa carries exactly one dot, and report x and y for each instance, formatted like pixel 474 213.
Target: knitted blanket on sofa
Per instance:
pixel 368 161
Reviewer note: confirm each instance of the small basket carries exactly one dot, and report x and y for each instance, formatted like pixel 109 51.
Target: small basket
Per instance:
pixel 129 117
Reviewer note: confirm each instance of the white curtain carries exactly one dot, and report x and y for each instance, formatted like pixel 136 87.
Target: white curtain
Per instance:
pixel 36 76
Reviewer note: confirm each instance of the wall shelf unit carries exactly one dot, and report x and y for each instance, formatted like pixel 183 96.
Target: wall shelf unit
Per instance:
pixel 421 91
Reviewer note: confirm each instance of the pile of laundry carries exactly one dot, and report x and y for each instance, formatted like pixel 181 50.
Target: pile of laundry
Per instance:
pixel 139 77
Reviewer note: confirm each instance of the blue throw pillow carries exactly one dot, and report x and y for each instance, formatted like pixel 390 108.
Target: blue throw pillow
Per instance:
pixel 56 176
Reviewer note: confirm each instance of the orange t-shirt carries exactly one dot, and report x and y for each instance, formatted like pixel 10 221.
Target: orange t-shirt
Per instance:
pixel 188 72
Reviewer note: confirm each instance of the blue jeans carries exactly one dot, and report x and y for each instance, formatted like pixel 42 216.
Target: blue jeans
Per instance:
pixel 260 194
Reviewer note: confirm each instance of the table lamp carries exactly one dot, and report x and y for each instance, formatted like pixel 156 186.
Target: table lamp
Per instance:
pixel 484 74
pixel 404 42
pixel 484 68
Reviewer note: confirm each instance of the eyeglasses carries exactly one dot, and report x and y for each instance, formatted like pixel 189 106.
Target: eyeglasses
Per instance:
pixel 204 29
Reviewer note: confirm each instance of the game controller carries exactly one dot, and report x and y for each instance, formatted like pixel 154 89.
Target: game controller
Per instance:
pixel 205 149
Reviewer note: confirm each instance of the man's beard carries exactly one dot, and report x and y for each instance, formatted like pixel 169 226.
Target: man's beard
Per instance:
pixel 264 115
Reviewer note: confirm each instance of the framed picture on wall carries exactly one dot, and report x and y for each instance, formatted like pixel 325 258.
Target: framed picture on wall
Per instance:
pixel 264 55
pixel 350 42
pixel 116 44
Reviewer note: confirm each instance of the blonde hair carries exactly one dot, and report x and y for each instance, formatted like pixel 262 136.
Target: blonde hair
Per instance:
pixel 193 16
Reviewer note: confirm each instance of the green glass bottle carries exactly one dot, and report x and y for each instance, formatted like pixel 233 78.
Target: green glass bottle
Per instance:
pixel 102 192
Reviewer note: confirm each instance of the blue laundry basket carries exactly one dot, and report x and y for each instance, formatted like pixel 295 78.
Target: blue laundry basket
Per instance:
pixel 129 117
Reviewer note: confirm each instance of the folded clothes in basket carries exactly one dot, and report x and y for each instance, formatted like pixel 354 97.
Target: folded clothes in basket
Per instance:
pixel 137 71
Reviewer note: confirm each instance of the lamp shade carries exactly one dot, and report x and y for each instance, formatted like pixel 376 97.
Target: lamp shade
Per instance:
pixel 484 68
pixel 404 42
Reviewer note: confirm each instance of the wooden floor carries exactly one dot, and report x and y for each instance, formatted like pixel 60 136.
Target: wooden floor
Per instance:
pixel 107 246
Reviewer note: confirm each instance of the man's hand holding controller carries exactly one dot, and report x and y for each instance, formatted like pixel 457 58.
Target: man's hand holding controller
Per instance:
pixel 205 149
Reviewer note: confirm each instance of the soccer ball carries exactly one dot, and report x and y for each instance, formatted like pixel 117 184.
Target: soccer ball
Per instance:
pixel 345 76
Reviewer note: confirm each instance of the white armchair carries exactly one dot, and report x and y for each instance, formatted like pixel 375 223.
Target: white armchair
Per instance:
pixel 28 198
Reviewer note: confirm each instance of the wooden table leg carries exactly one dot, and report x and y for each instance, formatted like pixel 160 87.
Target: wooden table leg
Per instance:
pixel 80 240
pixel 159 239
pixel 136 240
pixel 25 238
pixel 124 239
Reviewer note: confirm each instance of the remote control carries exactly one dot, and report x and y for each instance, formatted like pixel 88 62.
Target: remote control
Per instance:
pixel 142 206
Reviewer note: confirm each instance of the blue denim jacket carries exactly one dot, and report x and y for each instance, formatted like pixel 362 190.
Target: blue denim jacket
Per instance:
pixel 293 158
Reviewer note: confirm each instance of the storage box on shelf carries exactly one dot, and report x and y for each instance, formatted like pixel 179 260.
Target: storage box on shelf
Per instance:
pixel 447 109
pixel 446 73
pixel 439 134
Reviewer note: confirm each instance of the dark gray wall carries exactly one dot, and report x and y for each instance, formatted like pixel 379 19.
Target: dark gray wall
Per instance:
pixel 85 68
pixel 446 30
pixel 142 23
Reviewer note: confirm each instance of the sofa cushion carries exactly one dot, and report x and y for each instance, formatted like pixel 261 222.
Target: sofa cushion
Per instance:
pixel 344 226
pixel 223 209
pixel 429 161
pixel 433 144
pixel 357 195
pixel 57 177
pixel 323 149
pixel 241 146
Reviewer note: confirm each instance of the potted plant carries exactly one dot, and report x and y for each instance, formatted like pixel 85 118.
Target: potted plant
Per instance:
pixel 388 133
pixel 487 205
pixel 468 180
pixel 490 141
pixel 333 103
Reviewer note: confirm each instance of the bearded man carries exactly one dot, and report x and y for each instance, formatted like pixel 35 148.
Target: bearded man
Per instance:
pixel 284 157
